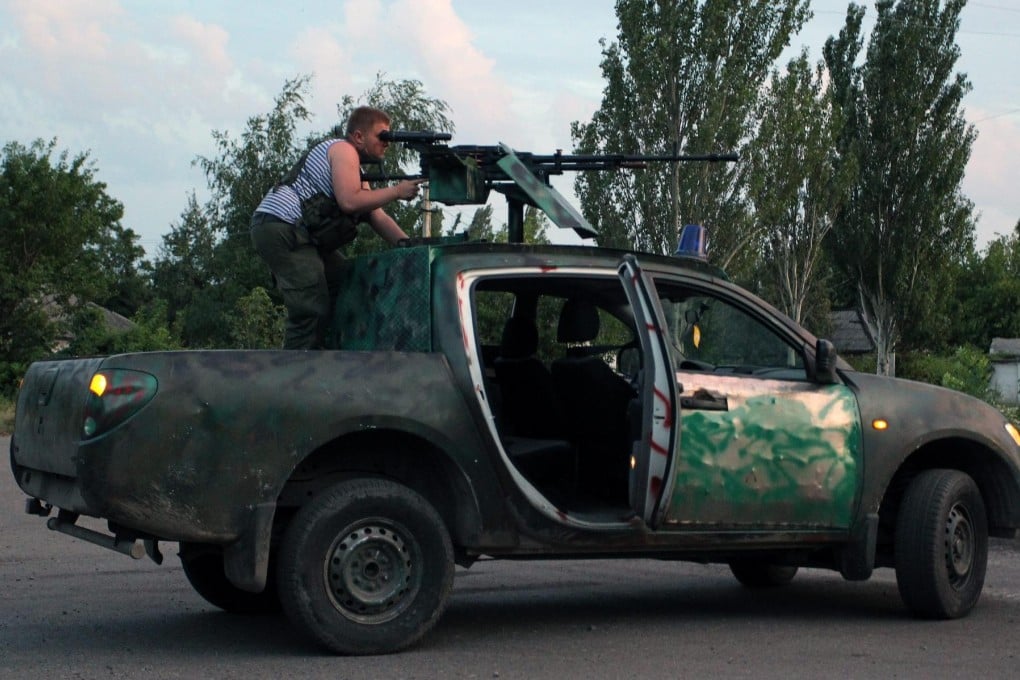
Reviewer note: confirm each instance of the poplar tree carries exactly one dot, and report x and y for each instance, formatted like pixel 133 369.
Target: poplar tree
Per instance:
pixel 796 188
pixel 906 218
pixel 683 76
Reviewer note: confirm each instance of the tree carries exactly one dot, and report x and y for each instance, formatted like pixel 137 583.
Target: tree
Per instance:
pixel 795 188
pixel 57 222
pixel 257 322
pixel 148 331
pixel 185 271
pixel 241 174
pixel 480 228
pixel 905 217
pixel 987 303
pixel 684 77
pixel 127 273
pixel 210 258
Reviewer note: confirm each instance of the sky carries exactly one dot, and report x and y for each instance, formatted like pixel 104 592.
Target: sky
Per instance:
pixel 142 84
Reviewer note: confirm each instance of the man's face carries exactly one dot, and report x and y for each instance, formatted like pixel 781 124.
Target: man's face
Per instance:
pixel 372 148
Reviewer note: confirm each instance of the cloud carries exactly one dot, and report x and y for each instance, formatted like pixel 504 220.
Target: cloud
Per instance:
pixel 991 173
pixel 206 45
pixel 60 46
pixel 322 52
pixel 88 61
pixel 57 30
pixel 454 67
pixel 423 40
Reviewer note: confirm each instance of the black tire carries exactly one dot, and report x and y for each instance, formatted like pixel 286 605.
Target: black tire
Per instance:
pixel 203 566
pixel 755 574
pixel 941 545
pixel 366 567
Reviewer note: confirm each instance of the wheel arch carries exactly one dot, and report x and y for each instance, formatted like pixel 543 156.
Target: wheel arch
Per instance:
pixel 993 476
pixel 411 458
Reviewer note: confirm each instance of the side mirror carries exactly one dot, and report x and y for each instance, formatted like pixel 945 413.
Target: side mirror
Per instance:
pixel 825 362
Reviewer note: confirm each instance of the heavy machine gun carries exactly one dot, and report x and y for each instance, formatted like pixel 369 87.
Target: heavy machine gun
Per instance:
pixel 464 175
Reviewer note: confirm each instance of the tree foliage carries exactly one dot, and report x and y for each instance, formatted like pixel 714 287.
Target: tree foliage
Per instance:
pixel 62 246
pixel 184 271
pixel 89 333
pixel 257 322
pixel 987 303
pixel 207 263
pixel 684 76
pixel 796 188
pixel 905 217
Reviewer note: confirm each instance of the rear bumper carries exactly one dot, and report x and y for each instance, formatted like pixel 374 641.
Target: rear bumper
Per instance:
pixel 54 489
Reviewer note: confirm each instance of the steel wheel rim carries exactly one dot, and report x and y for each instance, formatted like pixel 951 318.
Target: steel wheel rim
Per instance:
pixel 372 571
pixel 960 545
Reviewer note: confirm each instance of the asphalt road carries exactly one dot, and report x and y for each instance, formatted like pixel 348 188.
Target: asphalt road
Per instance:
pixel 69 609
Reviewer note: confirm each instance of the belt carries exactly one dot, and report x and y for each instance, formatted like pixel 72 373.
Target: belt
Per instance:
pixel 263 217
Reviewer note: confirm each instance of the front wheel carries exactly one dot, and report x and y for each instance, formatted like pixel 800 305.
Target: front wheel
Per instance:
pixel 941 545
pixel 366 567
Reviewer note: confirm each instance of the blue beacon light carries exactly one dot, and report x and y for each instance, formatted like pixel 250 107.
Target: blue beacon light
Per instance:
pixel 693 242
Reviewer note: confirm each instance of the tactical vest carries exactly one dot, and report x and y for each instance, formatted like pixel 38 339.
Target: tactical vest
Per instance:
pixel 328 227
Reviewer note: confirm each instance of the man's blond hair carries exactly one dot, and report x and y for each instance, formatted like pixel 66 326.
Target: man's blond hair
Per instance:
pixel 364 117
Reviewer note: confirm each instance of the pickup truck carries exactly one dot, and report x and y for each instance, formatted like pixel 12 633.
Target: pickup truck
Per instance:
pixel 517 401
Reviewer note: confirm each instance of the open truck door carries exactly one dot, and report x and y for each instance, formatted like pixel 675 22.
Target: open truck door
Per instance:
pixel 658 412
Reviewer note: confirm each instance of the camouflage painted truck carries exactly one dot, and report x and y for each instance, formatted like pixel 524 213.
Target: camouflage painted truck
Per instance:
pixel 517 401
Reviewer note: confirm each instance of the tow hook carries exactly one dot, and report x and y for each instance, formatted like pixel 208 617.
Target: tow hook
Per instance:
pixel 33 506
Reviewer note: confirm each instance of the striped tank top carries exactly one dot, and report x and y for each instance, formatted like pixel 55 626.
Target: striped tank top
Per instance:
pixel 316 177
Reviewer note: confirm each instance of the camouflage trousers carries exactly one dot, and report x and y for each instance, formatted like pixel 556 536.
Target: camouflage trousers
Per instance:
pixel 307 279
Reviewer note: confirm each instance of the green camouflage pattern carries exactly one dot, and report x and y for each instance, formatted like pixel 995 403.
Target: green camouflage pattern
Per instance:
pixel 457 181
pixel 384 302
pixel 783 452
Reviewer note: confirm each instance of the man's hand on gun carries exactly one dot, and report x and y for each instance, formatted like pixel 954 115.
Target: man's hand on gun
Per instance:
pixel 408 189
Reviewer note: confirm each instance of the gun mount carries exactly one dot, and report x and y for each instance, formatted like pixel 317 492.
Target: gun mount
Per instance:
pixel 465 174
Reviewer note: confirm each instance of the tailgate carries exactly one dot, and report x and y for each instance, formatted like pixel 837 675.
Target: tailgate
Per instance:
pixel 48 420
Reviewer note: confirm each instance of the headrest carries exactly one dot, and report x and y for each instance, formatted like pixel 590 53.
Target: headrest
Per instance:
pixel 579 322
pixel 520 338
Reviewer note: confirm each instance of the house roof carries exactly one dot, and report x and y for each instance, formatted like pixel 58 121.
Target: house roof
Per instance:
pixel 1005 349
pixel 114 321
pixel 849 334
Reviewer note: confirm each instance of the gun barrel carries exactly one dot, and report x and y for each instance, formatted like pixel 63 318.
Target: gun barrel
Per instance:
pixel 391 178
pixel 594 161
pixel 414 136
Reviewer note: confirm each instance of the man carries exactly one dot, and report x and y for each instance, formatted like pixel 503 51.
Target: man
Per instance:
pixel 304 261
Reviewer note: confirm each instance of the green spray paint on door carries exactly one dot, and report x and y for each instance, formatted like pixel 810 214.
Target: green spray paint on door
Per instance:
pixel 785 450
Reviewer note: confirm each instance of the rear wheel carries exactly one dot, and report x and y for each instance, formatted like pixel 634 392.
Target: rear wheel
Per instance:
pixel 203 566
pixel 366 567
pixel 941 545
pixel 754 574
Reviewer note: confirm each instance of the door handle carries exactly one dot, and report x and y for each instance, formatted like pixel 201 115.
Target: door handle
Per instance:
pixel 703 400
